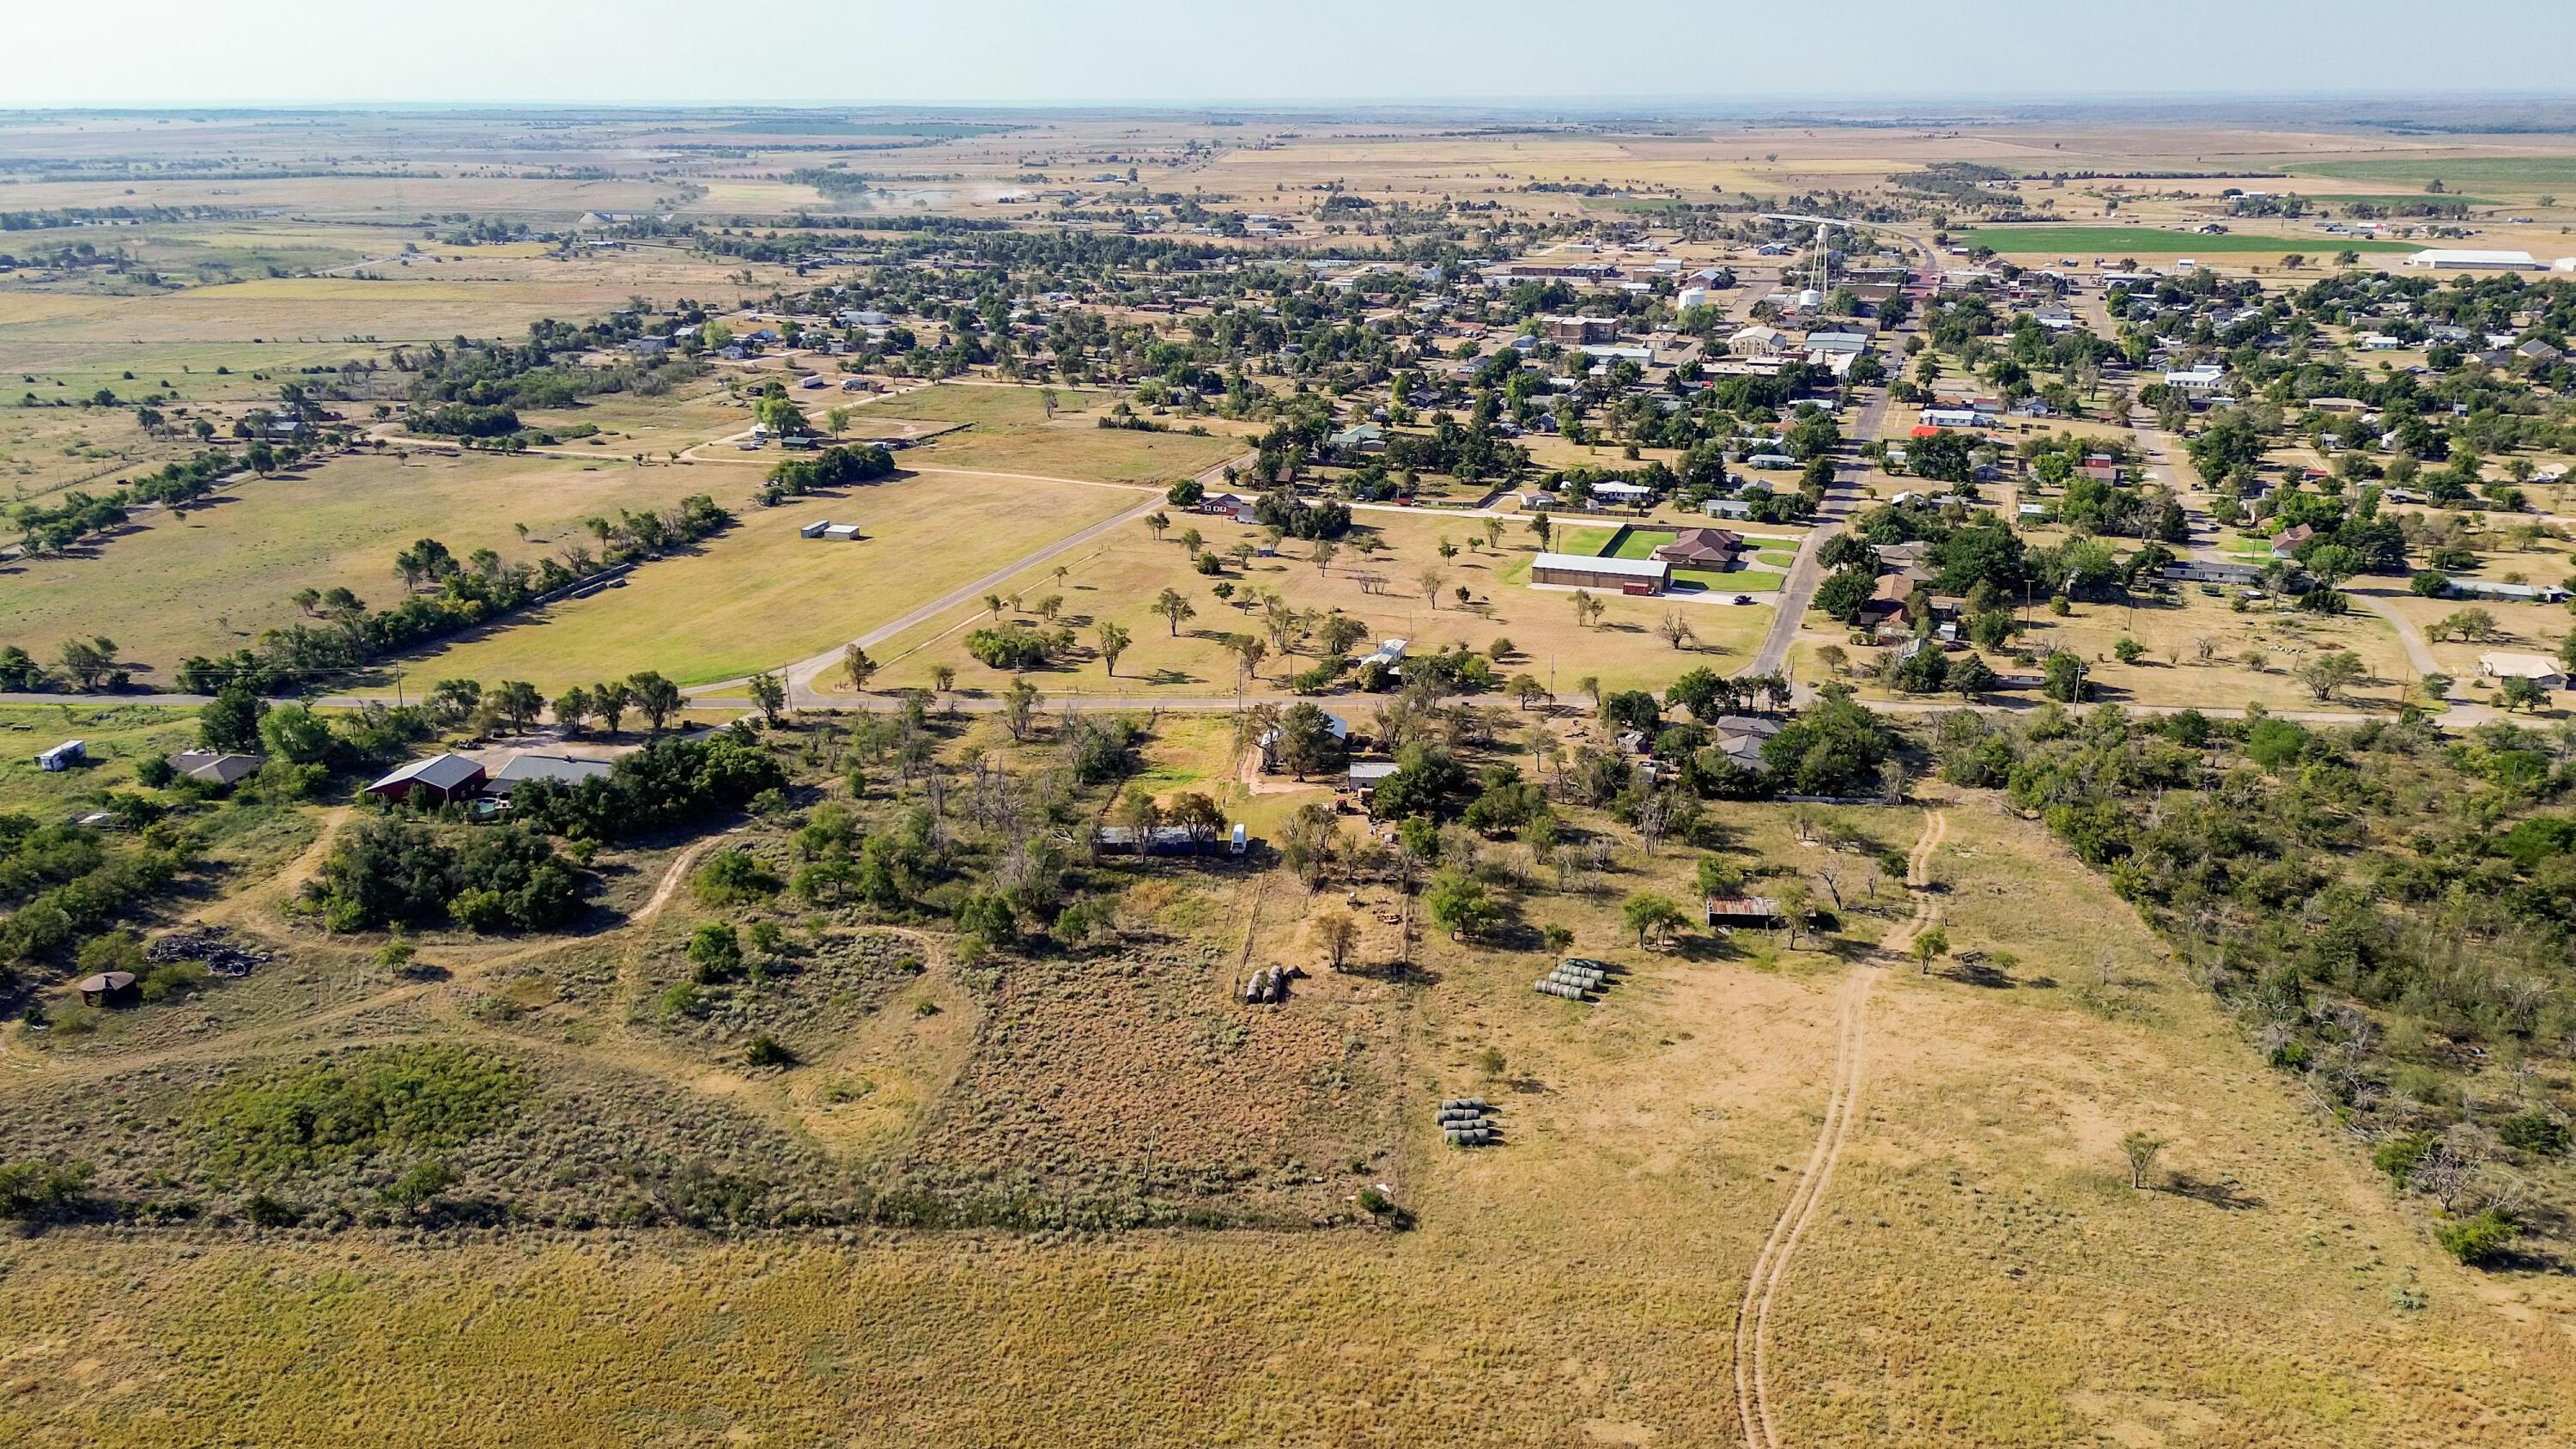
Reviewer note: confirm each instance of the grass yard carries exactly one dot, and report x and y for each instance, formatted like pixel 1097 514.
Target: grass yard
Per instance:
pixel 2520 628
pixel 1731 581
pixel 760 596
pixel 118 736
pixel 2118 241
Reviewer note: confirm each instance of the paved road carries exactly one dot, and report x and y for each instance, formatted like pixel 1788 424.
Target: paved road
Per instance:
pixel 1798 590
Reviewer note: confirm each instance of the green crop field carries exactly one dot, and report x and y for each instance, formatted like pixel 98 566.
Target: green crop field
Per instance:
pixel 2495 172
pixel 2157 241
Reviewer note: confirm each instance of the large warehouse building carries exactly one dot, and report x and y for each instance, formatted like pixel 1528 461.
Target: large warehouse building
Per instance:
pixel 1621 575
pixel 2476 260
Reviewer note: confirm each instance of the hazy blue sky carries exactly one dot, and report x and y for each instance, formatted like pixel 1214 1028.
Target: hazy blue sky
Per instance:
pixel 1037 51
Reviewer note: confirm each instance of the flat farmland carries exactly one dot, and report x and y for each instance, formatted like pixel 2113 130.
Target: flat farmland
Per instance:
pixel 479 292
pixel 208 583
pixel 2495 173
pixel 1081 450
pixel 352 198
pixel 2158 241
pixel 760 596
pixel 1117 579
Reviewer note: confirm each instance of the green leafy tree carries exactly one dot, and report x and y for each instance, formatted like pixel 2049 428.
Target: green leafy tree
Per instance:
pixel 656 698
pixel 1459 904
pixel 1114 640
pixel 716 953
pixel 1652 916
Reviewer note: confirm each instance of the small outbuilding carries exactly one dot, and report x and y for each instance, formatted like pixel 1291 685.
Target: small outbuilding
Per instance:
pixel 2540 669
pixel 106 988
pixel 1739 910
pixel 439 779
pixel 216 768
pixel 64 756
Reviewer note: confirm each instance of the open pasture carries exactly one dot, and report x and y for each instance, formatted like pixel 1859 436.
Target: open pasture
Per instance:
pixel 166 587
pixel 759 596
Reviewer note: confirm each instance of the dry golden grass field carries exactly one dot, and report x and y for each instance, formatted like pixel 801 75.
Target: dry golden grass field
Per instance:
pixel 1117 579
pixel 1978 1272
pixel 1911 1181
pixel 167 587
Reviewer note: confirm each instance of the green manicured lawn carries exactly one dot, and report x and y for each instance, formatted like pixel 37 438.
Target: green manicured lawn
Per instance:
pixel 1777 558
pixel 1642 542
pixel 1730 581
pixel 2157 241
pixel 1583 540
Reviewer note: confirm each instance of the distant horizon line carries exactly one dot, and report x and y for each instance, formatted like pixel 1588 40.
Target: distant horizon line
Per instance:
pixel 1677 105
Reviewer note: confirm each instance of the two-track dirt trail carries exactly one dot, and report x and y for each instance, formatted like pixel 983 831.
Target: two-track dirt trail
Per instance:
pixel 1851 1059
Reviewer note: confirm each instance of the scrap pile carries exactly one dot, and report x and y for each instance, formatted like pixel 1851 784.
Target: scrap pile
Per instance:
pixel 1575 979
pixel 210 945
pixel 1469 1122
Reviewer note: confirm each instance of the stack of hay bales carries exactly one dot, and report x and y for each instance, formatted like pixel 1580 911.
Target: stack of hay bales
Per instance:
pixel 1575 979
pixel 1469 1122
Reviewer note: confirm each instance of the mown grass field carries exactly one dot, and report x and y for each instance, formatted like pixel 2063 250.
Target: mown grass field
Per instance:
pixel 1011 433
pixel 760 596
pixel 2121 241
pixel 169 587
pixel 1078 450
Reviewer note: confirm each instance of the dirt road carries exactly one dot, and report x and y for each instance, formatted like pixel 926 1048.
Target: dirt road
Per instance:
pixel 1851 1060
